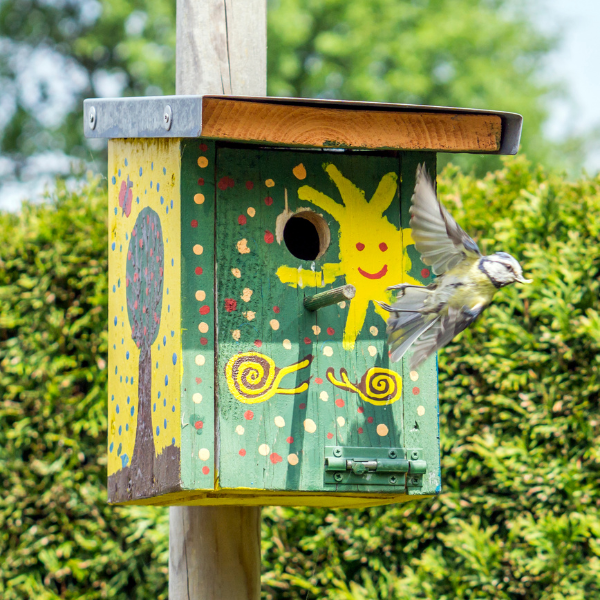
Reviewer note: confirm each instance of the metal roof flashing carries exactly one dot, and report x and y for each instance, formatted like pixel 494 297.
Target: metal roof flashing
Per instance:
pixel 182 116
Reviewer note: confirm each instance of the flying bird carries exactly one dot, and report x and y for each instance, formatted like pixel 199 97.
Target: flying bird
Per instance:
pixel 430 317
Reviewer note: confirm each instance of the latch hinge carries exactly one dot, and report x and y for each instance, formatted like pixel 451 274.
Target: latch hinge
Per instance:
pixel 398 467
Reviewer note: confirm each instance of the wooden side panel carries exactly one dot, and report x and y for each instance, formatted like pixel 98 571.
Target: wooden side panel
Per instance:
pixel 421 408
pixel 228 119
pixel 197 314
pixel 144 316
pixel 291 382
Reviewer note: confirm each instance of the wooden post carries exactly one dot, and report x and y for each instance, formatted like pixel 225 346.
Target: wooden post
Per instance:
pixel 214 552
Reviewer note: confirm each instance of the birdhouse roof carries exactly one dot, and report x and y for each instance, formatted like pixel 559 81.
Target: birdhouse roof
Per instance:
pixel 306 123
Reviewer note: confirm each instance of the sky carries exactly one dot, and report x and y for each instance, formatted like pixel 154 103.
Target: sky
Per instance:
pixel 576 62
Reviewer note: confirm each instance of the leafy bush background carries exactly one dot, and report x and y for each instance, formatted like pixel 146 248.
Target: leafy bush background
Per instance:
pixel 520 422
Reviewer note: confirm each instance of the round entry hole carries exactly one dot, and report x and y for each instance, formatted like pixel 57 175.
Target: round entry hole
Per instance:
pixel 306 235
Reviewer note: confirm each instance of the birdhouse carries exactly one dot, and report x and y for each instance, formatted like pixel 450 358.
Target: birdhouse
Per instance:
pixel 249 240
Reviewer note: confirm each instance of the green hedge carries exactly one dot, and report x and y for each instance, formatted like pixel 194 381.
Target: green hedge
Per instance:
pixel 520 421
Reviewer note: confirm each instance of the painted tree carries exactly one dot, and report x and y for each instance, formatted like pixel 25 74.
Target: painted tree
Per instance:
pixel 144 283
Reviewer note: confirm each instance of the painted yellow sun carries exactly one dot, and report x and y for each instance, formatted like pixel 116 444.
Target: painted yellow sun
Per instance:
pixel 372 250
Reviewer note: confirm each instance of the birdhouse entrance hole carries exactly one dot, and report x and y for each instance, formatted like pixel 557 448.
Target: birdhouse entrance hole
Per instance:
pixel 306 235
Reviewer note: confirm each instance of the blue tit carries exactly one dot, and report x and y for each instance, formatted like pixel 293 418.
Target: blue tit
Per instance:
pixel 430 317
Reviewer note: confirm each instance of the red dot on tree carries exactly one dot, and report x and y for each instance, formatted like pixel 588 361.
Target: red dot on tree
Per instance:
pixel 194 223
pixel 198 424
pixel 276 309
pixel 318 381
pixel 269 237
pixel 307 340
pixel 223 183
pixel 268 200
pixel 290 440
pixel 361 430
pixel 275 458
pixel 249 185
pixel 361 410
pixel 204 310
pixel 369 419
pixel 198 270
pixel 425 273
pixel 205 470
pixel 329 436
pixel 248 415
pixel 203 147
pixel 201 181
pixel 339 402
pixel 198 380
pixel 383 246
pixel 360 246
pixel 416 391
pixel 258 343
pixel 242 452
pixel 302 406
pixel 242 220
pixel 203 341
pixel 330 331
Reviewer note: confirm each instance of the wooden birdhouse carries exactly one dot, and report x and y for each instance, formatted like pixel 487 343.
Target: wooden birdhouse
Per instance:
pixel 234 379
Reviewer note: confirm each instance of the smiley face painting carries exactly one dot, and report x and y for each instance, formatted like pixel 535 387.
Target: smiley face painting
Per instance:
pixel 372 253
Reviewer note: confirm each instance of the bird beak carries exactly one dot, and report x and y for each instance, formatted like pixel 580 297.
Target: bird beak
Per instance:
pixel 522 279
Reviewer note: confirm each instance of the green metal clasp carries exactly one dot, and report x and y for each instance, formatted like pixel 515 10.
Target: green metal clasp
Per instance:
pixel 395 467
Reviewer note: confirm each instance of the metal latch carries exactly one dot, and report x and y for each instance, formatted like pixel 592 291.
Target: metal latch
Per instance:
pixel 399 467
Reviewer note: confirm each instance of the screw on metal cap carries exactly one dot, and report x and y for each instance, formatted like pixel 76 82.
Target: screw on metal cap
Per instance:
pixel 167 117
pixel 92 117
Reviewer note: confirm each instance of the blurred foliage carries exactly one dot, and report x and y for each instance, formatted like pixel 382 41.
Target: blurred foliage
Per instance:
pixel 519 516
pixel 58 537
pixel 473 53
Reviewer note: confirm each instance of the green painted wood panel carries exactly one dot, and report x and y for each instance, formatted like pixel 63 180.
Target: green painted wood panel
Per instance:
pixel 420 395
pixel 197 314
pixel 330 356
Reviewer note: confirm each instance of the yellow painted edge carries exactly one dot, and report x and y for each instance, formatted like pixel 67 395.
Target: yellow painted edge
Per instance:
pixel 245 497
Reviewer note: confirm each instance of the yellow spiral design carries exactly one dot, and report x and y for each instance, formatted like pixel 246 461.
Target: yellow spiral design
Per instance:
pixel 378 386
pixel 253 377
pixel 381 386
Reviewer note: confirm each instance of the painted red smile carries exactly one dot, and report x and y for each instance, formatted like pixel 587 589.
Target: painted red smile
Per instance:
pixel 377 275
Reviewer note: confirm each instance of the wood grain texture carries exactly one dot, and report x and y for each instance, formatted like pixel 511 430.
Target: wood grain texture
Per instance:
pixel 277 409
pixel 197 314
pixel 217 555
pixel 221 47
pixel 252 498
pixel 323 127
pixel 420 391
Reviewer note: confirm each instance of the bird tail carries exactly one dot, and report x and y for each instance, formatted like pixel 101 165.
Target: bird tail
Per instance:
pixel 407 321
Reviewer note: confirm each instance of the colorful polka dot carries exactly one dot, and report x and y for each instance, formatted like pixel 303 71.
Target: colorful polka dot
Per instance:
pixel 382 430
pixel 200 295
pixel 328 351
pixel 341 421
pixel 269 183
pixel 264 449
pixel 293 459
pixel 274 323
pixel 198 249
pixel 204 454
pixel 239 430
pixel 203 327
pixel 420 410
pixel 199 360
pixel 248 415
pixel 199 198
pixel 279 421
pixel 310 426
pixel 324 396
pixel 414 376
pixel 203 162
pixel 242 452
pixel 197 398
pixel 416 391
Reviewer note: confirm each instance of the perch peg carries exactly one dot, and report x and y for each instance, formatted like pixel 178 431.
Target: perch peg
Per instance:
pixel 345 292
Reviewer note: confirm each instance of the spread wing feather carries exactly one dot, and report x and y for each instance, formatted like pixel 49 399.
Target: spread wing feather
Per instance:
pixel 438 238
pixel 442 332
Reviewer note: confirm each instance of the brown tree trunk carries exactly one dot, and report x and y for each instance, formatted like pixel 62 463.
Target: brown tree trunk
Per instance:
pixel 141 472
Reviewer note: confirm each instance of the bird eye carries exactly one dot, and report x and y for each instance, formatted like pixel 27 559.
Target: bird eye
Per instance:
pixel 360 247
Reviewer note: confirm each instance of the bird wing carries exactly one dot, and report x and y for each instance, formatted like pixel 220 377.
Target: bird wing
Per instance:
pixel 443 332
pixel 439 240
